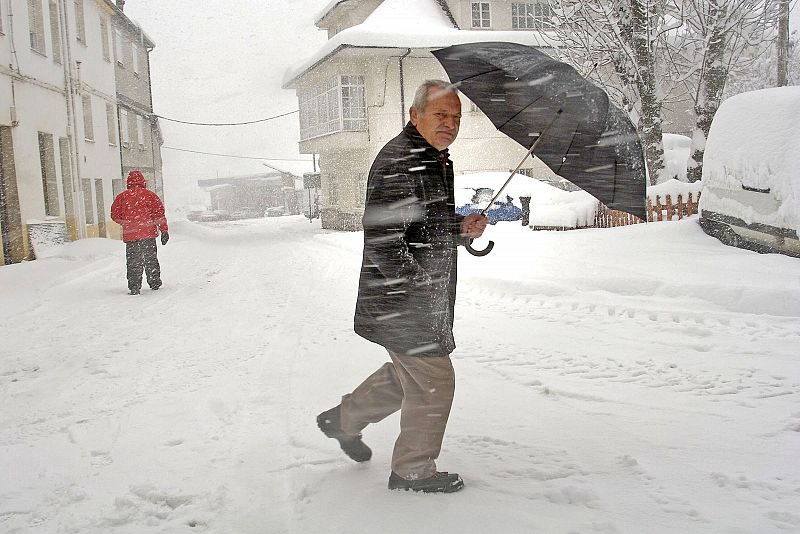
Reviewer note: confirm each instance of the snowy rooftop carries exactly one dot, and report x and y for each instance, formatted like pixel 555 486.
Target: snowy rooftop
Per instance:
pixel 230 180
pixel 415 24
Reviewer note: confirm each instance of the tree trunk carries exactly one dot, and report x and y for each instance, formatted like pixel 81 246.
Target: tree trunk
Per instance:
pixel 650 120
pixel 783 44
pixel 715 73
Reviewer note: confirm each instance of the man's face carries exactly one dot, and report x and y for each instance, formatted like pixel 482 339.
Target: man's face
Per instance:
pixel 440 120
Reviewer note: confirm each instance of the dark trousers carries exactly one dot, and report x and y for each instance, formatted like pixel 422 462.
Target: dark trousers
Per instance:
pixel 141 255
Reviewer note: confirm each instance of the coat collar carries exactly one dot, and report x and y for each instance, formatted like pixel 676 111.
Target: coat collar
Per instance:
pixel 411 131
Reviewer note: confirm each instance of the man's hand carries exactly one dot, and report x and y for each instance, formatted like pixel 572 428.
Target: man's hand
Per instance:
pixel 164 238
pixel 473 225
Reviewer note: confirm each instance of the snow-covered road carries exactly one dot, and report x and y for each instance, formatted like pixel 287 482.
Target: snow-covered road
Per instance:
pixel 640 379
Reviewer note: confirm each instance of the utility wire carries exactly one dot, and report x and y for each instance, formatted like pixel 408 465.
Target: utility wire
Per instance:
pixel 231 155
pixel 228 123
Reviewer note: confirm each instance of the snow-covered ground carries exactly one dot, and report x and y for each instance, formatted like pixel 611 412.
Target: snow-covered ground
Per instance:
pixel 628 380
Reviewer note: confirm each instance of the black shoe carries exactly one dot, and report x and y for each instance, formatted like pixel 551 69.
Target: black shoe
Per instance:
pixel 134 292
pixel 440 482
pixel 330 424
pixel 155 287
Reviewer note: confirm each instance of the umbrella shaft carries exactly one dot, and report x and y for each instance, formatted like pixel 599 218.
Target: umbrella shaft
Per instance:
pixel 528 153
pixel 510 176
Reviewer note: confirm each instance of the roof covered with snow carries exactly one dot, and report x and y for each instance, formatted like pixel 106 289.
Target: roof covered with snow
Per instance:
pixel 210 183
pixel 413 24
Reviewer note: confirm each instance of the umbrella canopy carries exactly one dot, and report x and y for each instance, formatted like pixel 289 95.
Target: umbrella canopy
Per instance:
pixel 525 92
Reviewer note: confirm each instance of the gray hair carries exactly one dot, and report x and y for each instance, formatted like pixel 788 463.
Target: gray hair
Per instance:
pixel 422 96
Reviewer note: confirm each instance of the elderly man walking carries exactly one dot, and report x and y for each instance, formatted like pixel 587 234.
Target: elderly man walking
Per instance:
pixel 406 294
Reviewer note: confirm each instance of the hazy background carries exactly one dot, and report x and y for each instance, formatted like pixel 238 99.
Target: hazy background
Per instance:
pixel 224 61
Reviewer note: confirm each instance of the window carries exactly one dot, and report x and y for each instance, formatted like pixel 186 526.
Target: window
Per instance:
pixel 47 158
pixel 135 58
pixel 88 205
pixel 101 209
pixel 335 106
pixel 354 105
pixel 80 23
pixel 118 47
pixel 531 16
pixel 104 39
pixel 36 26
pixel 480 15
pixel 88 125
pixel 124 128
pixel 112 131
pixel 55 32
pixel 140 131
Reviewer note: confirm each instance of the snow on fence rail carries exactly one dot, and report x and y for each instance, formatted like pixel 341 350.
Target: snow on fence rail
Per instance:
pixel 608 218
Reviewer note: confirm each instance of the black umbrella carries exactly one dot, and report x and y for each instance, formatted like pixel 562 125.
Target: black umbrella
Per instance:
pixel 535 99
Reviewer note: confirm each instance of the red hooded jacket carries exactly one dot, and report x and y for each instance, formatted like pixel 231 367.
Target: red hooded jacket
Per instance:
pixel 138 210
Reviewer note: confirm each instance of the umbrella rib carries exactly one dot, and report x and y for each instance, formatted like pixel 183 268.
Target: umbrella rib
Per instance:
pixel 518 112
pixel 476 75
pixel 571 142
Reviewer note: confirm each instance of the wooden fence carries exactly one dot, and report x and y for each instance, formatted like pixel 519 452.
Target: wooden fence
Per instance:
pixel 607 218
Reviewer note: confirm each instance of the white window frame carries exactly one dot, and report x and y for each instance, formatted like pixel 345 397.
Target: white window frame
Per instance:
pixel 118 49
pixel 36 27
pixel 80 22
pixel 104 39
pixel 140 131
pixel 88 122
pixel 531 16
pixel 124 127
pixel 482 20
pixel 338 105
pixel 111 124
pixel 135 58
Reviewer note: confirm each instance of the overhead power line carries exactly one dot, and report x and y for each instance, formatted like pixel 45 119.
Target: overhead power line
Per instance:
pixel 229 123
pixel 231 155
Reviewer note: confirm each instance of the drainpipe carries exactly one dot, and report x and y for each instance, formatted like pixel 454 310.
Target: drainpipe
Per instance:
pixel 402 91
pixel 14 60
pixel 158 175
pixel 72 124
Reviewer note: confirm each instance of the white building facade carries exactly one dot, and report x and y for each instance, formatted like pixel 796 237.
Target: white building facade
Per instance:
pixel 58 121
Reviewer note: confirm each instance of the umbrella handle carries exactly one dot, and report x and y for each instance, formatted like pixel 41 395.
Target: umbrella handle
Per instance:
pixel 483 252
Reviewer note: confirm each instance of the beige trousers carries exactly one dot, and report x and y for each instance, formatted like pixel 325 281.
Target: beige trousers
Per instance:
pixel 422 389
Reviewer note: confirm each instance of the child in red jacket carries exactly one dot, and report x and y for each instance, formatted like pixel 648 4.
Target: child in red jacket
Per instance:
pixel 141 214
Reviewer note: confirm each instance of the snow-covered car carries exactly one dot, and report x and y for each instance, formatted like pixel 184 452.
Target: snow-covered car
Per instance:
pixel 208 216
pixel 246 213
pixel 275 211
pixel 751 172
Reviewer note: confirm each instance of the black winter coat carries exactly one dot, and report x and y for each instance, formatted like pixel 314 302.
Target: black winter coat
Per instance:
pixel 407 288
